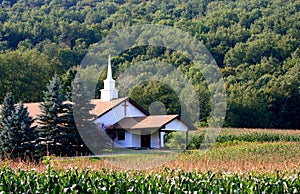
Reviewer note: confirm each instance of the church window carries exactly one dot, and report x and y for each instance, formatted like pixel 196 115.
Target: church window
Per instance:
pixel 121 135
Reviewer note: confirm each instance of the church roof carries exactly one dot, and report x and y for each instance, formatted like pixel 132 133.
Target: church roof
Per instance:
pixel 33 109
pixel 101 107
pixel 149 122
pixel 128 123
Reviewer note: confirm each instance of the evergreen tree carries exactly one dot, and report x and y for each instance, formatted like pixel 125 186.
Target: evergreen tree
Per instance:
pixel 71 141
pixel 52 129
pixel 84 119
pixel 7 137
pixel 79 147
pixel 26 134
pixel 17 137
pixel 57 130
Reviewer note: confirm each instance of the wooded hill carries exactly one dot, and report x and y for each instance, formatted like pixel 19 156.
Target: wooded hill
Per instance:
pixel 255 43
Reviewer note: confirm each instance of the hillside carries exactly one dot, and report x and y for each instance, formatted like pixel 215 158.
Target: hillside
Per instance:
pixel 255 44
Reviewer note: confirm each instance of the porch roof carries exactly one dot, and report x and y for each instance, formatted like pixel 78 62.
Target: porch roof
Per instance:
pixel 148 122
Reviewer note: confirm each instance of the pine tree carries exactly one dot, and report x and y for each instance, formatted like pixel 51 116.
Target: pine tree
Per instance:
pixel 73 142
pixel 70 139
pixel 57 130
pixel 51 121
pixel 84 119
pixel 7 136
pixel 17 137
pixel 26 134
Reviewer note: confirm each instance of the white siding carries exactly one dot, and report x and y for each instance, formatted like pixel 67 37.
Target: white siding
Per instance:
pixel 125 143
pixel 176 125
pixel 154 140
pixel 136 140
pixel 118 113
pixel 112 116
pixel 162 139
pixel 132 111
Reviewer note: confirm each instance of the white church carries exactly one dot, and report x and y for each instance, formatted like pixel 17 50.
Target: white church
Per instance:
pixel 134 127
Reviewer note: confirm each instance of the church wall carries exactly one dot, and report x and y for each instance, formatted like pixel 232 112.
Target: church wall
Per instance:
pixel 118 113
pixel 176 125
pixel 133 111
pixel 112 116
pixel 154 140
pixel 136 140
pixel 127 142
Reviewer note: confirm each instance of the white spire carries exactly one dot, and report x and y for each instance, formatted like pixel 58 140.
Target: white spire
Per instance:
pixel 109 92
pixel 109 73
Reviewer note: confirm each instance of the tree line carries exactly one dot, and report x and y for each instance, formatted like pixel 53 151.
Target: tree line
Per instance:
pixel 255 44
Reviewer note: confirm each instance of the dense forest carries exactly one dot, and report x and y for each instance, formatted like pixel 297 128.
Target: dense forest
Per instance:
pixel 255 44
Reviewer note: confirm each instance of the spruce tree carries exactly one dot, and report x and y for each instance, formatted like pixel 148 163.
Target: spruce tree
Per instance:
pixel 17 136
pixel 70 140
pixel 57 129
pixel 51 121
pixel 74 143
pixel 7 135
pixel 88 131
pixel 26 134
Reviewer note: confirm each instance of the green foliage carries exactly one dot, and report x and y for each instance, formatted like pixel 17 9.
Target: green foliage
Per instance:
pixel 18 137
pixel 57 129
pixel 26 145
pixel 196 140
pixel 167 181
pixel 7 136
pixel 149 93
pixel 176 140
pixel 23 74
pixel 255 44
pixel 89 140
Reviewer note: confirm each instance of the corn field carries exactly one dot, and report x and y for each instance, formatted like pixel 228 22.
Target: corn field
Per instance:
pixel 166 181
pixel 238 163
pixel 196 141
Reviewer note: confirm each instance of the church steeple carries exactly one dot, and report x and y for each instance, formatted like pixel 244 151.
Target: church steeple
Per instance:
pixel 109 73
pixel 109 92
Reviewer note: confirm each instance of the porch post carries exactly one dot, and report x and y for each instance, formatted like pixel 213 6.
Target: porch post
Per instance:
pixel 159 139
pixel 186 138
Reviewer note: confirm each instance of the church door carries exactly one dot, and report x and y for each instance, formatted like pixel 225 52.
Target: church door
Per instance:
pixel 145 141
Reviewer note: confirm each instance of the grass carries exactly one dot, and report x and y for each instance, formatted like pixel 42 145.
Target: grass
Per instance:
pixel 229 156
pixel 233 157
pixel 245 157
